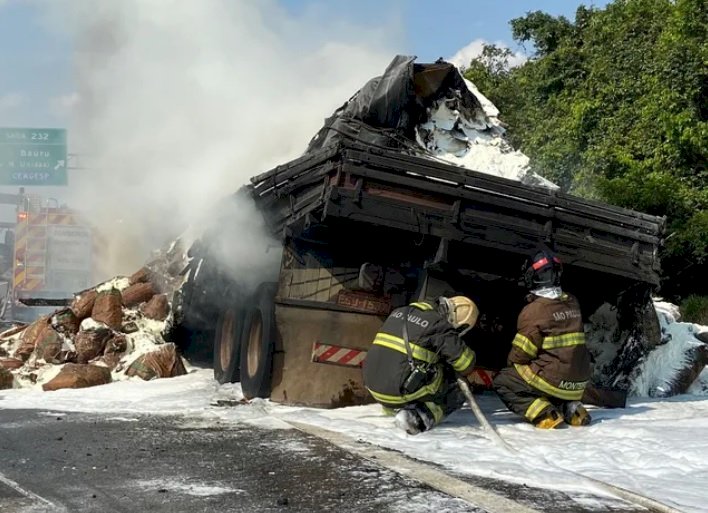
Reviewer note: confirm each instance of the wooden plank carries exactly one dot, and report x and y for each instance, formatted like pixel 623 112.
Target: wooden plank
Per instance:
pixel 485 185
pixel 609 218
pixel 489 236
pixel 324 285
pixel 598 226
pixel 300 165
pixel 564 199
pixel 494 201
pixel 519 210
pixel 617 255
pixel 289 210
pixel 518 225
pixel 452 173
pixel 498 184
pixel 315 282
pixel 310 277
pixel 316 175
pixel 422 196
pixel 285 283
pixel 296 287
pixel 516 221
pixel 602 257
pixel 306 198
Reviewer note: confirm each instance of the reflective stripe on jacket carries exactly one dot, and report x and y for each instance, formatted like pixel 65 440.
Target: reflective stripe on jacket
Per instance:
pixel 433 342
pixel 549 350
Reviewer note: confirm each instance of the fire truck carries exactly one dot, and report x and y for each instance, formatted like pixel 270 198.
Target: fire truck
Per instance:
pixel 47 256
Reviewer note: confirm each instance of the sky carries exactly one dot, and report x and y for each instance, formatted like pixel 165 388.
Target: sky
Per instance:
pixel 37 86
pixel 164 99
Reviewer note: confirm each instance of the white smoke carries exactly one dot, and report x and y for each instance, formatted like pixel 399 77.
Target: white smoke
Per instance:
pixel 474 49
pixel 11 106
pixel 178 103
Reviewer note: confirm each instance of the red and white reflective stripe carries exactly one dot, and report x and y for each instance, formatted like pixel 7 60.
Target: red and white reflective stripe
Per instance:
pixel 326 353
pixel 540 263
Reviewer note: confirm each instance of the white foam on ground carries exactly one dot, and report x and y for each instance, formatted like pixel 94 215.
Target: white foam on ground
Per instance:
pixel 657 371
pixel 649 447
pixel 195 489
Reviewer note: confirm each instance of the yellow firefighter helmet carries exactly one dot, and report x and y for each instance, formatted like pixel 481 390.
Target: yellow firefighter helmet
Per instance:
pixel 461 312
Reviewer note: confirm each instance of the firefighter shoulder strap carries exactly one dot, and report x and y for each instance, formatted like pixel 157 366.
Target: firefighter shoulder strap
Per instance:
pixel 409 351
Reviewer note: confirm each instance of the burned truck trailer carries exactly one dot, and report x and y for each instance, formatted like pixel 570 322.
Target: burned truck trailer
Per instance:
pixel 365 230
pixel 367 226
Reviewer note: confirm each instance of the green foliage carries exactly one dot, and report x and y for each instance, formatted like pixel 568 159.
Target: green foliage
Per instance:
pixel 695 309
pixel 614 105
pixel 691 238
pixel 545 31
pixel 490 70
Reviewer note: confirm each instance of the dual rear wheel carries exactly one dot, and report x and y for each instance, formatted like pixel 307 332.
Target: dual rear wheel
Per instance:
pixel 244 343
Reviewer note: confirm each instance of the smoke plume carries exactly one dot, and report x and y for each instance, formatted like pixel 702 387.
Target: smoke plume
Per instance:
pixel 178 103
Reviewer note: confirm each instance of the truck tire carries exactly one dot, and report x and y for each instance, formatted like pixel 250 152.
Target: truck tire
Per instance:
pixel 259 343
pixel 196 318
pixel 227 345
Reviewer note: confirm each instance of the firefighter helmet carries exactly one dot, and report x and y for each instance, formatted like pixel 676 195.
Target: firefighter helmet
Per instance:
pixel 544 269
pixel 461 312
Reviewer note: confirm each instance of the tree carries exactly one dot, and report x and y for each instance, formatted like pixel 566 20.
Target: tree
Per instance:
pixel 614 105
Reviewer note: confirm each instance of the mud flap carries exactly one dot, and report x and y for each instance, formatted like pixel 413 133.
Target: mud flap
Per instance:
pixel 312 364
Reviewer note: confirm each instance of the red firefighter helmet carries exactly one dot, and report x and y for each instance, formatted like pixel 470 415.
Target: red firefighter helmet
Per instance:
pixel 544 269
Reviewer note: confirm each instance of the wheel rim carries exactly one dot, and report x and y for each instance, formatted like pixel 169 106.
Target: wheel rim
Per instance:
pixel 226 348
pixel 254 344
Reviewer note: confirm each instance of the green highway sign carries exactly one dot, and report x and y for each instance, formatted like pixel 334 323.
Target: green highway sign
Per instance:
pixel 33 156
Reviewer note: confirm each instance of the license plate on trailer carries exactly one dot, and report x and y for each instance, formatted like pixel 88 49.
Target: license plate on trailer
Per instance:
pixel 364 302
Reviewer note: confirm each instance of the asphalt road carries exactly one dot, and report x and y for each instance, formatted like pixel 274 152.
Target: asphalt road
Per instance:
pixel 77 462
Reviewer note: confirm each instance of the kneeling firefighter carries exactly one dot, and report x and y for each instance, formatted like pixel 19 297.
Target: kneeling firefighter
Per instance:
pixel 549 364
pixel 412 366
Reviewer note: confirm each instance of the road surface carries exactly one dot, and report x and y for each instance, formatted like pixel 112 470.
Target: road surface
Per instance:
pixel 78 462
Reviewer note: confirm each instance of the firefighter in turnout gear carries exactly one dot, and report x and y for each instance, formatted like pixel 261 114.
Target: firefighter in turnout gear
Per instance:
pixel 549 364
pixel 412 365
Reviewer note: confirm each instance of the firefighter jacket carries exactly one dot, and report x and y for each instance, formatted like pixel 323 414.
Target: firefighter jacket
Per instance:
pixel 434 342
pixel 549 350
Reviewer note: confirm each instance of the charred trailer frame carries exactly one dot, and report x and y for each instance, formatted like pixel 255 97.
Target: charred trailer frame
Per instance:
pixel 365 229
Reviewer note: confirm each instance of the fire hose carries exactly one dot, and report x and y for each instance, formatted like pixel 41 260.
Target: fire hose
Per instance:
pixel 646 502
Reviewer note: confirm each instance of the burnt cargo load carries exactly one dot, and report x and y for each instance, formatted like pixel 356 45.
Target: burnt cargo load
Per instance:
pixel 369 221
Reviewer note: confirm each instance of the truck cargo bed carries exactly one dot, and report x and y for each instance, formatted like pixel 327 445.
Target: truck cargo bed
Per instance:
pixel 385 188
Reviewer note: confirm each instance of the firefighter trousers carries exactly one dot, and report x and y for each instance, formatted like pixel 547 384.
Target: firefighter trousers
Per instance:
pixel 523 399
pixel 447 399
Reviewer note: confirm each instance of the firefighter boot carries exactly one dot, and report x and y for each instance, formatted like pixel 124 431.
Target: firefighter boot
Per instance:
pixel 413 420
pixel 575 414
pixel 549 420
